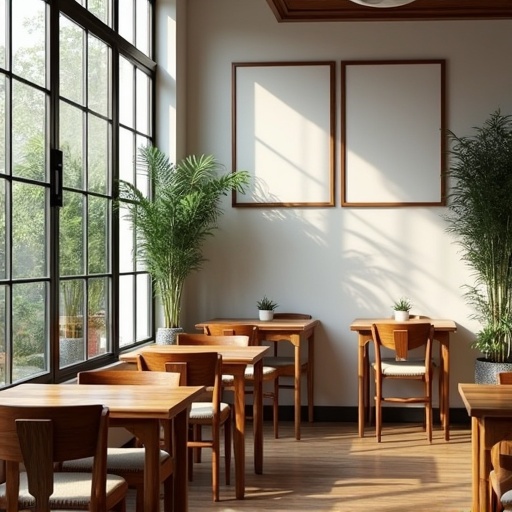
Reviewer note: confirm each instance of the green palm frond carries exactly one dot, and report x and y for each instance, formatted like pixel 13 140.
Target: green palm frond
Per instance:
pixel 172 224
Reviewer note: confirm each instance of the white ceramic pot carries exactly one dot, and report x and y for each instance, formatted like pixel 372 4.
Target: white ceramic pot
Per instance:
pixel 401 316
pixel 266 315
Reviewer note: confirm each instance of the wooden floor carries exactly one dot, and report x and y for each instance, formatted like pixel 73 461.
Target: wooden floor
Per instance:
pixel 332 469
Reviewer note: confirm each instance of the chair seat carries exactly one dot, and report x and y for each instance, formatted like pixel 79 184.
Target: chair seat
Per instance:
pixel 118 459
pixel 204 410
pixel 267 371
pixel 71 490
pixel 410 368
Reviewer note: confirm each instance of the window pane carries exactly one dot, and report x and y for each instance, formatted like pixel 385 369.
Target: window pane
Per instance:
pixel 3 31
pixel 99 154
pixel 126 8
pixel 97 338
pixel 126 93
pixel 28 40
pixel 142 102
pixel 125 242
pixel 71 342
pixel 98 235
pixel 28 231
pixel 126 299
pixel 3 232
pixel 71 137
pixel 3 121
pixel 98 76
pixel 71 234
pixel 126 155
pixel 28 132
pixel 71 61
pixel 30 330
pixel 143 311
pixel 3 339
pixel 101 9
pixel 142 18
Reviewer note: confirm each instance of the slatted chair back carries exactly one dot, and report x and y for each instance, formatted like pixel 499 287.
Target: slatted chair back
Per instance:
pixel 206 339
pixel 223 329
pixel 401 338
pixel 120 377
pixel 38 437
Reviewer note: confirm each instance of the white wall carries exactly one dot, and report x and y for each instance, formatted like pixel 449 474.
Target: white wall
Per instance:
pixel 335 263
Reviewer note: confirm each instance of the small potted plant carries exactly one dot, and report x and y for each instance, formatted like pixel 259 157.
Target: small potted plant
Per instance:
pixel 402 307
pixel 266 308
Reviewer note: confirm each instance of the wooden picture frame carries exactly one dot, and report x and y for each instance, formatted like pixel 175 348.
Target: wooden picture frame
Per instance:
pixel 393 133
pixel 283 132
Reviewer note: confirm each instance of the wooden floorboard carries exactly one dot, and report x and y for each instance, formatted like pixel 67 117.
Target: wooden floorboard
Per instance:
pixel 332 469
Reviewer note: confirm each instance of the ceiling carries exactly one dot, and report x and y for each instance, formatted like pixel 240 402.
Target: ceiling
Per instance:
pixel 345 10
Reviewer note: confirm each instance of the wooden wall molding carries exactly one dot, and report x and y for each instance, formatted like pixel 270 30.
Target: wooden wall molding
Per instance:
pixel 345 10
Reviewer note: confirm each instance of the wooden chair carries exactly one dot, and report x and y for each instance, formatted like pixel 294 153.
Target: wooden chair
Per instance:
pixel 500 477
pixel 201 369
pixel 39 437
pixel 505 378
pixel 269 372
pixel 129 462
pixel 401 338
pixel 285 365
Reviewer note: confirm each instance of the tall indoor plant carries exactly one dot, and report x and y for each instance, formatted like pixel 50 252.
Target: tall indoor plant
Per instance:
pixel 172 224
pixel 480 216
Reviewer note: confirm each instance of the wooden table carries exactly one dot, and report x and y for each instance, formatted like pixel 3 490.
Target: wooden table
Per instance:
pixel 234 361
pixel 490 408
pixel 295 332
pixel 443 328
pixel 138 408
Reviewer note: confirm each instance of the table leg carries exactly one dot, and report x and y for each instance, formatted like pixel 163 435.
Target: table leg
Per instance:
pixel 475 456
pixel 310 376
pixel 239 431
pixel 148 431
pixel 296 386
pixel 444 382
pixel 180 494
pixel 258 417
pixel 361 373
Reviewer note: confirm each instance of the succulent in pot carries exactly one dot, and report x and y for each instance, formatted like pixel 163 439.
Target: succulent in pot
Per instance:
pixel 266 308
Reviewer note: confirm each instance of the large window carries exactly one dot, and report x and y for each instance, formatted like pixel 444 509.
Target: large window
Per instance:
pixel 75 87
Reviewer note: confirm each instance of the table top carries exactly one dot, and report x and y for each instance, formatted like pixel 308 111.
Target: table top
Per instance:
pixel 231 354
pixel 284 324
pixel 487 399
pixel 123 401
pixel 365 324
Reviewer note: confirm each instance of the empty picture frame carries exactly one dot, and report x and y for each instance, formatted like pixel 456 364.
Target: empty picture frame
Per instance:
pixel 283 131
pixel 393 133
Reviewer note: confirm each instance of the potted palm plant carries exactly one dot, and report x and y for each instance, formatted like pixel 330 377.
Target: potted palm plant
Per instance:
pixel 480 216
pixel 172 224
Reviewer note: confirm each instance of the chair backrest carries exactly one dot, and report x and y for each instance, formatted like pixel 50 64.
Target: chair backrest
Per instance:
pixel 402 338
pixel 222 329
pixel 42 436
pixel 129 377
pixel 505 378
pixel 291 316
pixel 198 368
pixel 206 339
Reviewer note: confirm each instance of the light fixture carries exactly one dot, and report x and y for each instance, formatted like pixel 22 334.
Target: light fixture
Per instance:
pixel 382 3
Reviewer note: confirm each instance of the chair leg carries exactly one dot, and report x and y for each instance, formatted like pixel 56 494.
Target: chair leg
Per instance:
pixel 275 411
pixel 378 411
pixel 139 499
pixel 276 408
pixel 227 450
pixel 309 382
pixel 215 463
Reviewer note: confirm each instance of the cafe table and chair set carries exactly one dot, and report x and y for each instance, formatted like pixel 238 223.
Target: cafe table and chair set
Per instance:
pixel 178 389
